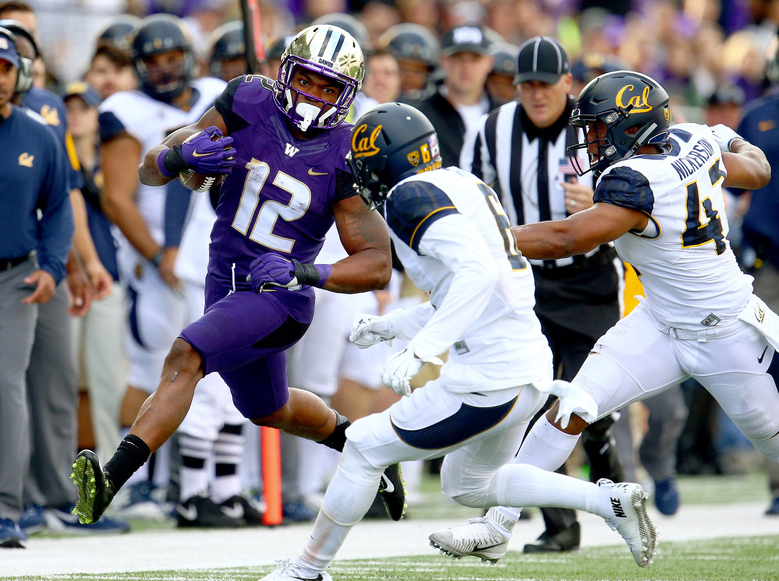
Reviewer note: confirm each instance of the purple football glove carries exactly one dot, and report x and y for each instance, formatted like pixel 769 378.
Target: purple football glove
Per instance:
pixel 200 153
pixel 272 269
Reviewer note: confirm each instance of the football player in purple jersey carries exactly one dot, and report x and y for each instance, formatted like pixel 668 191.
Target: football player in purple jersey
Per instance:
pixel 283 146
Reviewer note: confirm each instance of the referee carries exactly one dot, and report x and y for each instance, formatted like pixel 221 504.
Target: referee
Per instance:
pixel 519 149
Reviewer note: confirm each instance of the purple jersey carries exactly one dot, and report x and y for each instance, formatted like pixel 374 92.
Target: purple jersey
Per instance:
pixel 280 195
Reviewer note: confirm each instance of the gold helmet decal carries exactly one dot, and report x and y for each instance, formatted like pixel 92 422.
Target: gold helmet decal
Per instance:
pixel 363 146
pixel 638 102
pixel 667 115
pixel 413 158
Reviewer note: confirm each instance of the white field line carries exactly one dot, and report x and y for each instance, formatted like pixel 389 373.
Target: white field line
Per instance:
pixel 182 550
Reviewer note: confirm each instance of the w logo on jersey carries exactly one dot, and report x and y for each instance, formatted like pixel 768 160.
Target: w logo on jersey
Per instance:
pixel 290 150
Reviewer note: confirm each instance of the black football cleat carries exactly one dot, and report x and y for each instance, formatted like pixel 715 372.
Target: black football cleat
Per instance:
pixel 95 491
pixel 392 490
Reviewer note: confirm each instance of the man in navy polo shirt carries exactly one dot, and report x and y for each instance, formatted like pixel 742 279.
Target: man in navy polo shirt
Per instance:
pixel 33 171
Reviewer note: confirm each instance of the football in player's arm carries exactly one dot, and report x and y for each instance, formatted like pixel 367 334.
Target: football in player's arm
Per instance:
pixel 362 232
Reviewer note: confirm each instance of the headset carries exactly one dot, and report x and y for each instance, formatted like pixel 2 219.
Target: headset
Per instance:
pixel 24 74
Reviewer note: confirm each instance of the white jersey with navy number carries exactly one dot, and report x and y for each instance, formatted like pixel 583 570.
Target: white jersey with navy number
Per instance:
pixel 690 275
pixel 150 121
pixel 454 240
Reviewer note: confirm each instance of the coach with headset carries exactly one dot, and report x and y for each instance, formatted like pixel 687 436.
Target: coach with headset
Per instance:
pixel 33 171
pixel 519 149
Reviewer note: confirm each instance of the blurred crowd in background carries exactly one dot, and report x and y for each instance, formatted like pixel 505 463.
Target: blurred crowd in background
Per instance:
pixel 710 55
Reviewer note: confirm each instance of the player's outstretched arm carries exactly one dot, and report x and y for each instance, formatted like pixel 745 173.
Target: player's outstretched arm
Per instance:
pixel 149 171
pixel 579 233
pixel 747 166
pixel 365 237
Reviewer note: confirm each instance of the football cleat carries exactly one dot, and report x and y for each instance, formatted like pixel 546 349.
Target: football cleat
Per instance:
pixel 202 512
pixel 288 570
pixel 486 538
pixel 392 490
pixel 630 519
pixel 95 491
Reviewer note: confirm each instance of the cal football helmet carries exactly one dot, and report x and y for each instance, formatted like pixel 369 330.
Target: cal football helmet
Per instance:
pixel 159 34
pixel 634 109
pixel 119 32
pixel 226 43
pixel 390 143
pixel 413 42
pixel 331 52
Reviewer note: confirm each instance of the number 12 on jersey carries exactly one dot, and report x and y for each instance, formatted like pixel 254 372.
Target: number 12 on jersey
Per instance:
pixel 271 210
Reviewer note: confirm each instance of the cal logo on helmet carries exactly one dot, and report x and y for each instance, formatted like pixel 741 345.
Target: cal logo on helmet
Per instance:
pixel 364 145
pixel 638 102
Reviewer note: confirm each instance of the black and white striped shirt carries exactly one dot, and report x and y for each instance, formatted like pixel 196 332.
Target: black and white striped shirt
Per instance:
pixel 524 165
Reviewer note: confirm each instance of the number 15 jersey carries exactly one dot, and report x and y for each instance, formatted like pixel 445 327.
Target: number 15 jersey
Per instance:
pixel 690 275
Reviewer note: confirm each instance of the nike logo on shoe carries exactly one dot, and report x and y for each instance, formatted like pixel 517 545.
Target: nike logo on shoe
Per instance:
pixel 760 359
pixel 485 547
pixel 616 504
pixel 188 513
pixel 235 511
pixel 386 484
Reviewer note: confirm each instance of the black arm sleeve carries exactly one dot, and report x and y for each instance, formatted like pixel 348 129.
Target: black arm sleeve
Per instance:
pixel 344 185
pixel 224 104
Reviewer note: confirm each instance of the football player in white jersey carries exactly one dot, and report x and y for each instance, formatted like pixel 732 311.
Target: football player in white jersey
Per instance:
pixel 131 122
pixel 453 238
pixel 659 197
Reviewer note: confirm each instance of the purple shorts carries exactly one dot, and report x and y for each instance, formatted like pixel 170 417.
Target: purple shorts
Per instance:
pixel 243 337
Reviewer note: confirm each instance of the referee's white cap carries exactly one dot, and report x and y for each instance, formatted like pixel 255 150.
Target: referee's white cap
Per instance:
pixel 541 59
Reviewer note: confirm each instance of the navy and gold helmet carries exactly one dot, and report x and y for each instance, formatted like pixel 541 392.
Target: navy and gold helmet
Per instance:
pixel 119 32
pixel 226 43
pixel 413 42
pixel 159 34
pixel 634 109
pixel 390 143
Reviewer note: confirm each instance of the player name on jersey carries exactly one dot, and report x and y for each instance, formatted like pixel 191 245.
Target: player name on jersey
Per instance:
pixel 700 153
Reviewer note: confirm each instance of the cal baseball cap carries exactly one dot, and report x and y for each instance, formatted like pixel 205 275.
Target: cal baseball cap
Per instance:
pixel 541 59
pixel 466 38
pixel 8 50
pixel 84 90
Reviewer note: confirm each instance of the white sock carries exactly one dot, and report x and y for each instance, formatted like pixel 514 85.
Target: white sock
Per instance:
pixel 193 482
pixel 228 453
pixel 346 501
pixel 193 475
pixel 545 447
pixel 524 485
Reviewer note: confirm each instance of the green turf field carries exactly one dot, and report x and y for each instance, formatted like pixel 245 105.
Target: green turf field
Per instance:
pixel 736 559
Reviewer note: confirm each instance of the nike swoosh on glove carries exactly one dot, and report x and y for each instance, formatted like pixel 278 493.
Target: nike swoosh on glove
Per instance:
pixel 724 136
pixel 571 399
pixel 207 152
pixel 370 329
pixel 400 369
pixel 272 269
